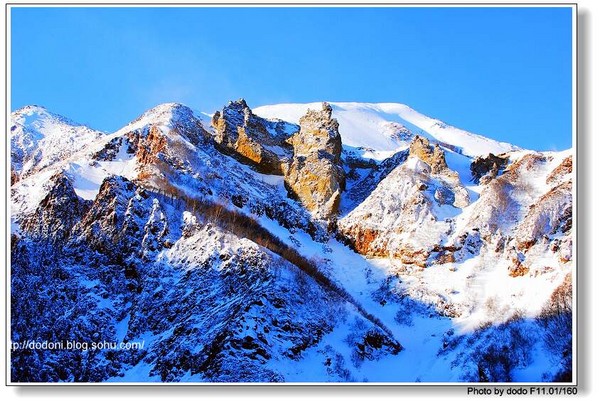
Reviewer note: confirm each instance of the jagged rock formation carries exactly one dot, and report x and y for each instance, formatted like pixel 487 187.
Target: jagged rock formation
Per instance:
pixel 484 169
pixel 57 213
pixel 315 175
pixel 253 140
pixel 452 191
pixel 433 156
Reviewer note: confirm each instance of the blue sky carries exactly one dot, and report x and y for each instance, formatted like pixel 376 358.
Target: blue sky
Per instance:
pixel 500 72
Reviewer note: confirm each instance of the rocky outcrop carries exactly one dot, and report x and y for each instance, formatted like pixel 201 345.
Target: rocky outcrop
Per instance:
pixel 251 139
pixel 57 213
pixel 150 146
pixel 388 223
pixel 420 190
pixel 484 169
pixel 432 155
pixel 451 191
pixel 558 174
pixel 315 176
pixel 103 227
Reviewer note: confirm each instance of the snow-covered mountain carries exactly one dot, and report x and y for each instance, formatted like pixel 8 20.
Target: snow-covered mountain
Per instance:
pixel 39 138
pixel 298 242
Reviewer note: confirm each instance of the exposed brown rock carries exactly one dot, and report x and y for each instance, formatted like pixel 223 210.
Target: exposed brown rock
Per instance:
pixel 316 176
pixel 14 177
pixel 445 254
pixel 369 242
pixel 518 270
pixel 150 146
pixel 524 165
pixel 242 134
pixel 432 155
pixel 564 168
pixel 434 161
pixel 446 257
pixel 412 257
pixel 484 169
pixel 362 239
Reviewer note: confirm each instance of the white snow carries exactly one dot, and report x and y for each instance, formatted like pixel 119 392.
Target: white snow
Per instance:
pixel 40 138
pixel 368 125
pixel 162 116
pixel 88 177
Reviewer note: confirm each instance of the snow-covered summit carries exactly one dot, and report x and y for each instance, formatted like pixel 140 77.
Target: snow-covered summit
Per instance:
pixel 389 127
pixel 39 138
pixel 167 115
pixel 34 115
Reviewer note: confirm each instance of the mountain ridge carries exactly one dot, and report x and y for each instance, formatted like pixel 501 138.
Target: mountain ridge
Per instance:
pixel 407 117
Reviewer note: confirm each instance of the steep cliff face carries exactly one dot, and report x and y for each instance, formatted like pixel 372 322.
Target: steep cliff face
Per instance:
pixel 57 213
pixel 315 175
pixel 253 140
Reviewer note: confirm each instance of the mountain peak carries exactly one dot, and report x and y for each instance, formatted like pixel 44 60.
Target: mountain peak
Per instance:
pixel 165 114
pixel 240 103
pixel 31 108
pixel 36 116
pixel 172 111
pixel 40 138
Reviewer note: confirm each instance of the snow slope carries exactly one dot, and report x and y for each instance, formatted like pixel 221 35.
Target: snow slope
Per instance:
pixel 382 126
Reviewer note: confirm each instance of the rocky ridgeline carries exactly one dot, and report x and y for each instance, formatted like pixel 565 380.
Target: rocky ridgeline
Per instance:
pixel 310 159
pixel 251 139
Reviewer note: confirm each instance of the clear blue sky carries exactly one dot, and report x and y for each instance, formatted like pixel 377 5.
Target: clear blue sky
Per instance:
pixel 500 72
